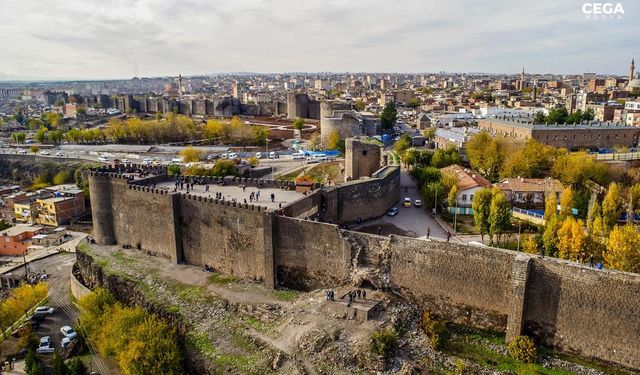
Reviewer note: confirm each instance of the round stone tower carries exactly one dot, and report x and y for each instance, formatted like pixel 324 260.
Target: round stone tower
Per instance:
pixel 101 208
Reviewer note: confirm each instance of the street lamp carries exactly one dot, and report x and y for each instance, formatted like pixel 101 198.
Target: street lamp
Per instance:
pixel 519 228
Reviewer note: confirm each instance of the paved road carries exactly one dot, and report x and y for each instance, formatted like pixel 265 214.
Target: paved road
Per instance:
pixel 413 220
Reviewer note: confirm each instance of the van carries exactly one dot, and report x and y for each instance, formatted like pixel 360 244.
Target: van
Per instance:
pixel 233 155
pixel 297 156
pixel 320 156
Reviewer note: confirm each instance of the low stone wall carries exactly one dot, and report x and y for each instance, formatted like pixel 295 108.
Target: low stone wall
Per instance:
pixel 78 290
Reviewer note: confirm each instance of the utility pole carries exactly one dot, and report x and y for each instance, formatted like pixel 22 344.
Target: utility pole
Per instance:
pixel 26 269
pixel 519 228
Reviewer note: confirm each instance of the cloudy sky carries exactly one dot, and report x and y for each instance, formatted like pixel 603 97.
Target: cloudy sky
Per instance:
pixel 94 39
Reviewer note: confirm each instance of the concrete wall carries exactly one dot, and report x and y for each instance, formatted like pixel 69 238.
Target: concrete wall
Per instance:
pixel 362 158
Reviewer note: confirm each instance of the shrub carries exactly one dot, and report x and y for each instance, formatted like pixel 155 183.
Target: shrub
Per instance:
pixel 433 328
pixel 523 349
pixel 384 343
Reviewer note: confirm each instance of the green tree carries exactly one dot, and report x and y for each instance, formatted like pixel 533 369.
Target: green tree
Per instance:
pixel 225 168
pixel 333 142
pixel 414 102
pixel 30 361
pixel 359 105
pixel 499 214
pixel 19 116
pixel 35 124
pixel 612 206
pixel 298 123
pixel 481 206
pixel 532 160
pixel 18 137
pixel 389 116
pixel 62 177
pixel 434 194
pixel 40 135
pixel 623 249
pixel 77 367
pixel 55 136
pixel 261 134
pixel 59 367
pixel 402 145
pixel 34 149
pixel 539 118
pixel 557 115
pixel 429 133
pixel 173 170
pixel 452 196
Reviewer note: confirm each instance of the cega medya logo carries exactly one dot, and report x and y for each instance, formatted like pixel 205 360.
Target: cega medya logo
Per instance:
pixel 602 11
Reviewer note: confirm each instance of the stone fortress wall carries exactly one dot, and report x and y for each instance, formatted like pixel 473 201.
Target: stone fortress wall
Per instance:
pixel 561 304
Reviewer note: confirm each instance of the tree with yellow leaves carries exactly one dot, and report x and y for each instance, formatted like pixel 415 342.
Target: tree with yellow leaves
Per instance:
pixel 212 130
pixel 550 206
pixel 566 203
pixel 571 239
pixel 191 154
pixel 612 206
pixel 623 249
pixel 333 142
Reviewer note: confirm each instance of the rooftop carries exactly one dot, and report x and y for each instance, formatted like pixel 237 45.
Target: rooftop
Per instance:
pixel 467 178
pixel 527 123
pixel 19 229
pixel 530 184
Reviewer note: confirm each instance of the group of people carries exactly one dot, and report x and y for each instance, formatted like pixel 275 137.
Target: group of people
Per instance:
pixel 356 294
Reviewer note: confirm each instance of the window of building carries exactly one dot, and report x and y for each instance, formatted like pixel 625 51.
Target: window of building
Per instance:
pixel 364 152
pixel 464 197
pixel 471 197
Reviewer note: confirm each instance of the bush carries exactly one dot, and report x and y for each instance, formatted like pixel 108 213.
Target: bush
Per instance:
pixel 173 170
pixel 523 349
pixel 433 328
pixel 384 343
pixel 62 177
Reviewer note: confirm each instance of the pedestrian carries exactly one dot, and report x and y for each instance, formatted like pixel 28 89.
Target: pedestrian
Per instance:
pixel 333 296
pixel 280 205
pixel 379 230
pixel 206 188
pixel 273 197
pixel 428 232
pixel 448 236
pixel 328 294
pixel 245 201
pixel 542 252
pixel 358 293
pixel 244 187
pixel 591 261
pixel 364 294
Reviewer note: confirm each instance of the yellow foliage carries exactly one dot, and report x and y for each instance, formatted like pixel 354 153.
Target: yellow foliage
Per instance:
pixel 571 239
pixel 529 245
pixel 140 342
pixel 21 300
pixel 191 154
pixel 623 249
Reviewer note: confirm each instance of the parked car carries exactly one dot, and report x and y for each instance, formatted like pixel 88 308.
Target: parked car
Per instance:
pixel 393 211
pixel 103 159
pixel 258 155
pixel 297 156
pixel 59 153
pixel 45 345
pixel 65 342
pixel 272 155
pixel 44 310
pixel 417 203
pixel 233 155
pixel 68 332
pixel 38 317
pixel 407 202
pixel 45 153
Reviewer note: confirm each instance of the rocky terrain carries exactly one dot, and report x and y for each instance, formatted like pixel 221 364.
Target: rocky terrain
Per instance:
pixel 235 326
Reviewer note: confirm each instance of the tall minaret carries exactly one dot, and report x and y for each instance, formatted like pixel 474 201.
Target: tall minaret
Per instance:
pixel 522 79
pixel 631 70
pixel 180 88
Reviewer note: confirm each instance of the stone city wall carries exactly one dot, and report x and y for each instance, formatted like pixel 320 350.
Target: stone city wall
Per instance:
pixel 563 305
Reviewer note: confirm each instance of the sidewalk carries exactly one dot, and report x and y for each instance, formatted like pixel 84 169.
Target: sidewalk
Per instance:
pixel 14 262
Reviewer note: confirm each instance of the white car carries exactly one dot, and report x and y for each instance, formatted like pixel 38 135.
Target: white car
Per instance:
pixel 258 155
pixel 59 153
pixel 44 310
pixel 45 153
pixel 68 332
pixel 272 155
pixel 103 159
pixel 233 155
pixel 224 156
pixel 297 156
pixel 45 346
pixel 65 342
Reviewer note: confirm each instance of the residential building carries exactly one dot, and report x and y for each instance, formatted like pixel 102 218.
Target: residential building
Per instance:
pixel 61 208
pixel 469 182
pixel 17 239
pixel 529 192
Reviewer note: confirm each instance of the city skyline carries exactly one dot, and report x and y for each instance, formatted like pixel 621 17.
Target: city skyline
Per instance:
pixel 164 38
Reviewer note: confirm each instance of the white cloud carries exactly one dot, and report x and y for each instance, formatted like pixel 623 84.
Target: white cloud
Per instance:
pixel 100 39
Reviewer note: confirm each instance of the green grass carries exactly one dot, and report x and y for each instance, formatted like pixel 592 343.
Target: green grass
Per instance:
pixel 121 257
pixel 219 278
pixel 286 294
pixel 200 341
pixel 326 171
pixel 291 175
